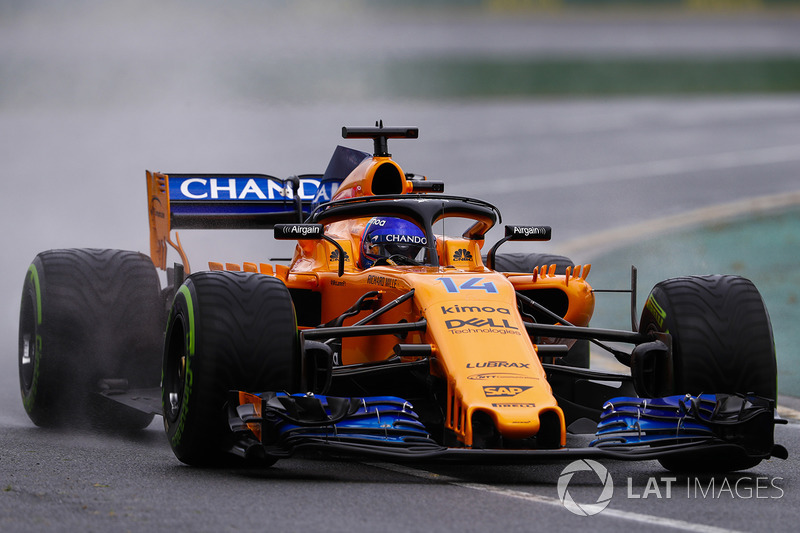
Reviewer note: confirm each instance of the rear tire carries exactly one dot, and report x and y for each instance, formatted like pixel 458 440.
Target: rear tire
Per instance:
pixel 721 343
pixel 524 262
pixel 88 315
pixel 226 331
pixel 579 354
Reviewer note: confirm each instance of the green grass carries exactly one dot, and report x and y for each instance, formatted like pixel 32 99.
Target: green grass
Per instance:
pixel 490 78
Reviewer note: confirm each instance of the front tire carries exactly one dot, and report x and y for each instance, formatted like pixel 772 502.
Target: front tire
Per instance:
pixel 721 343
pixel 226 331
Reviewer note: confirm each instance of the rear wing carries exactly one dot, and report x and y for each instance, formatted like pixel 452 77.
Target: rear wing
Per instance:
pixel 223 201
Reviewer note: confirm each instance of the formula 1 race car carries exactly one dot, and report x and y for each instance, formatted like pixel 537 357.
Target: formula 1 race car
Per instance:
pixel 394 332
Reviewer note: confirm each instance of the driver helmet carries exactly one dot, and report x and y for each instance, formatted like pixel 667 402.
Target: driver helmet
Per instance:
pixel 387 236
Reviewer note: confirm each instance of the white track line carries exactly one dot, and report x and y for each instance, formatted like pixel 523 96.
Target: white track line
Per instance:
pixel 603 241
pixel 647 169
pixel 650 520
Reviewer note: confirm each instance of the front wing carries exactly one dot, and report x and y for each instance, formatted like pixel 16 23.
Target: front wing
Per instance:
pixel 278 425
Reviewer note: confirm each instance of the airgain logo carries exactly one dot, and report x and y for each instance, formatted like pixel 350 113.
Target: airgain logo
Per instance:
pixel 503 392
pixel 335 256
pixel 462 254
pixel 585 509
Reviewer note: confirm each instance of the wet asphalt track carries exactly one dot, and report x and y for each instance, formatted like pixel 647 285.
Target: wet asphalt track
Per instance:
pixel 73 176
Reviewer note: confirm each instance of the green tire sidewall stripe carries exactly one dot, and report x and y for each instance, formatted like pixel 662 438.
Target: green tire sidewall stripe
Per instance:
pixel 188 381
pixel 29 399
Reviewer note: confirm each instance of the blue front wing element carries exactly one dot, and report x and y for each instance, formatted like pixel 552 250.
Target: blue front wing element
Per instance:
pixel 629 422
pixel 291 420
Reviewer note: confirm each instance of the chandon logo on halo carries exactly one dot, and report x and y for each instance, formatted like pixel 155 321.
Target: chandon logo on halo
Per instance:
pixel 403 239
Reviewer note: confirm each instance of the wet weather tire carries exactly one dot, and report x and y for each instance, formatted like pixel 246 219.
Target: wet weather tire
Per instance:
pixel 522 262
pixel 226 331
pixel 721 335
pixel 721 343
pixel 87 315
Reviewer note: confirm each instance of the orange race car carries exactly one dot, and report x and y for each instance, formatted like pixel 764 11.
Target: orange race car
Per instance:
pixel 393 332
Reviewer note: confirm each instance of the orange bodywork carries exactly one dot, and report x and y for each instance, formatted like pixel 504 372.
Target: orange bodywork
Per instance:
pixel 480 347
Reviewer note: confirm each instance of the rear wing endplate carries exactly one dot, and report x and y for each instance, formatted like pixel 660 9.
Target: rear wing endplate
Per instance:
pixel 222 201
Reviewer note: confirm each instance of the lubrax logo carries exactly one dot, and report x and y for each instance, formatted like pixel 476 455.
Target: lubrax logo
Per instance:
pixel 507 392
pixel 478 323
pixel 474 309
pixel 498 364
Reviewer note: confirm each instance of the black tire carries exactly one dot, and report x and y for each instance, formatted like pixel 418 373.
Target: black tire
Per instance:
pixel 579 354
pixel 88 315
pixel 226 331
pixel 721 343
pixel 525 262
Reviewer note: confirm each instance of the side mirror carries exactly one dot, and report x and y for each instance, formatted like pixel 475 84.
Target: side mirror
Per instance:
pixel 520 233
pixel 287 232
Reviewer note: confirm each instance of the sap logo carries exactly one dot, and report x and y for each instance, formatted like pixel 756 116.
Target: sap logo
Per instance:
pixel 335 256
pixel 477 323
pixel 462 254
pixel 508 392
pixel 474 309
pixel 240 188
pixel 498 364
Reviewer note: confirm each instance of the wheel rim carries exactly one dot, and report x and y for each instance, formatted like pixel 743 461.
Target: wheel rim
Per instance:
pixel 27 344
pixel 175 370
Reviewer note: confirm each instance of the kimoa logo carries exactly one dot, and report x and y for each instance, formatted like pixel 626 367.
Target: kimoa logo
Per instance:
pixel 474 309
pixel 585 509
